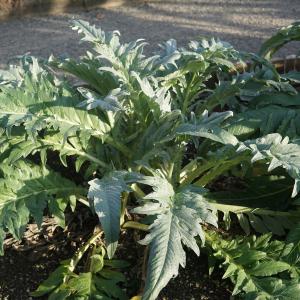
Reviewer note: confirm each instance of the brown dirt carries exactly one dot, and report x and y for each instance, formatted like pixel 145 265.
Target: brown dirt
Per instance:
pixel 26 264
pixel 20 272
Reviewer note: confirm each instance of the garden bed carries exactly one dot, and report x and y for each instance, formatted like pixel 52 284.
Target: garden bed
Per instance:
pixel 28 263
pixel 148 163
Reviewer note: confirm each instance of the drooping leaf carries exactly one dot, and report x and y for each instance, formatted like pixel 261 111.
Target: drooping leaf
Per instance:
pixel 177 223
pixel 26 189
pixel 283 36
pixel 105 196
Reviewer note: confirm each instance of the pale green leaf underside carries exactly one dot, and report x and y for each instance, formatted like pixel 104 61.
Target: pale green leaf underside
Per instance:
pixel 178 218
pixel 105 195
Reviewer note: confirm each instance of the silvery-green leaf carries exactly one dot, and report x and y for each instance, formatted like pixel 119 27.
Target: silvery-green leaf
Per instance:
pixel 105 195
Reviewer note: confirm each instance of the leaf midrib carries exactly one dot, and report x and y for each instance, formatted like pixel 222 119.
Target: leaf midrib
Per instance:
pixel 167 249
pixel 95 132
pixel 49 191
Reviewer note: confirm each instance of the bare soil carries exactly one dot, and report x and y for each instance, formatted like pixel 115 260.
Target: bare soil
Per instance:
pixel 244 23
pixel 27 263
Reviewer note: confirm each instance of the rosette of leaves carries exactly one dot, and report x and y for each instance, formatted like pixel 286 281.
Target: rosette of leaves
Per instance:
pixel 151 138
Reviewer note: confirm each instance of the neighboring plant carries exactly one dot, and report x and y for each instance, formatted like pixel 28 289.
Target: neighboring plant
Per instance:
pixel 282 37
pixel 99 281
pixel 165 144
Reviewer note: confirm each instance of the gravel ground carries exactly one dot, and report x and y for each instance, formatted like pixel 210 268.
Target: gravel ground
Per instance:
pixel 244 23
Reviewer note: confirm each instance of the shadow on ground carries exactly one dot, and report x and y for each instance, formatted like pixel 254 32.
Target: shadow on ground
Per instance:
pixel 245 24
